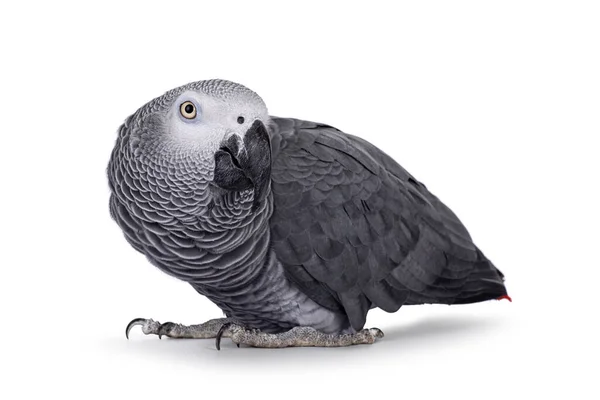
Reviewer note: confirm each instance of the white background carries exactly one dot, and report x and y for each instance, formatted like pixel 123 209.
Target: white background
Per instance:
pixel 493 105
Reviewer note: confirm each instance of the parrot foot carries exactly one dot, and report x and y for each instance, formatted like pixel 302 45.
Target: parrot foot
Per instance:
pixel 301 336
pixel 207 330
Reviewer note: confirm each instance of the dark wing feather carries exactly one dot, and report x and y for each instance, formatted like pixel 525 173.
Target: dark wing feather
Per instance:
pixel 355 230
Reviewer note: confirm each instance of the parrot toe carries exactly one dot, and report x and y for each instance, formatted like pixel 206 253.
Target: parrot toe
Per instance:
pixel 166 329
pixel 376 332
pixel 207 330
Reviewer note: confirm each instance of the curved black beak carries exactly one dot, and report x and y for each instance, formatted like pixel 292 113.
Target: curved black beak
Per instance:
pixel 249 168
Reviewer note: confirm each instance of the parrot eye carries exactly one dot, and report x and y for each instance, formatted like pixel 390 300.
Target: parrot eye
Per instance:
pixel 188 110
pixel 240 120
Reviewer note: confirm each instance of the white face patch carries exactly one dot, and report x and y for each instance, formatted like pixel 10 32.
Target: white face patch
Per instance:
pixel 213 119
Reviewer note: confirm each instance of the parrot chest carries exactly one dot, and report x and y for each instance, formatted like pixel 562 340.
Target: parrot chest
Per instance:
pixel 272 303
pixel 236 269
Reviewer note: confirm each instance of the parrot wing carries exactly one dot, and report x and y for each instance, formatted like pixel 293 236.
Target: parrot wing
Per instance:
pixel 354 230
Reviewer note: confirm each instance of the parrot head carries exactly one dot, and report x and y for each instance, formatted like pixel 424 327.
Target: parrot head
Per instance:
pixel 192 147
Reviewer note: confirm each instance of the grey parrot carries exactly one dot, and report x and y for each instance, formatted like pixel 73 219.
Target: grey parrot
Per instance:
pixel 294 229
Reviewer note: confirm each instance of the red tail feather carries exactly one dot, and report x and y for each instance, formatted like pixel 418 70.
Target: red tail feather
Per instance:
pixel 507 297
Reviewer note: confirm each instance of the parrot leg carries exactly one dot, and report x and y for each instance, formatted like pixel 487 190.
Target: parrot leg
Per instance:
pixel 301 336
pixel 207 330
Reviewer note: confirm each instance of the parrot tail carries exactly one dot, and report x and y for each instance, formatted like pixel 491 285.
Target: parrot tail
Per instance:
pixel 486 282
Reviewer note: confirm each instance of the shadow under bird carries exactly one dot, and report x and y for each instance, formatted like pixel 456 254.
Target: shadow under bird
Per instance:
pixel 293 228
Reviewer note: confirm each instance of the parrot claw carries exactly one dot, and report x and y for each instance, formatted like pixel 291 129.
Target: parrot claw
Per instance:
pixel 149 326
pixel 222 330
pixel 229 328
